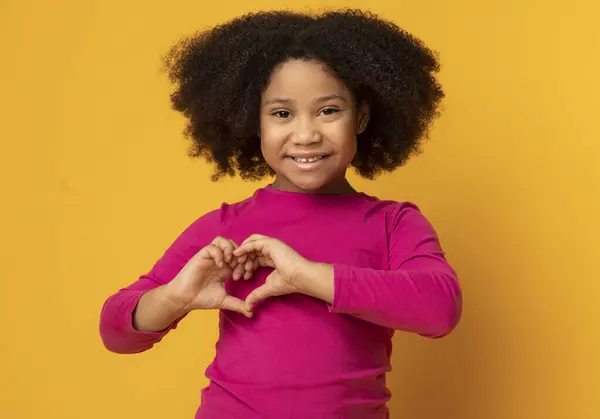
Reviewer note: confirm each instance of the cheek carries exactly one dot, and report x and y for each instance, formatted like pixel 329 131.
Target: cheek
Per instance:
pixel 266 142
pixel 349 151
pixel 271 147
pixel 344 138
pixel 266 147
pixel 272 138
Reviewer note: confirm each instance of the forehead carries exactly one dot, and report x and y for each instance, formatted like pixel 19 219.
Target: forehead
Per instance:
pixel 303 80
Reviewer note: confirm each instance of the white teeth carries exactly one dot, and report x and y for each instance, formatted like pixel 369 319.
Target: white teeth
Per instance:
pixel 307 160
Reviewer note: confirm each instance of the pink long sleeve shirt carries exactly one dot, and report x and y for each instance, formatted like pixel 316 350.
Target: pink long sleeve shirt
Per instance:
pixel 300 357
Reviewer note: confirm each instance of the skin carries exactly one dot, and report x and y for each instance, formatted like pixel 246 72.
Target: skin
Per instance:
pixel 305 112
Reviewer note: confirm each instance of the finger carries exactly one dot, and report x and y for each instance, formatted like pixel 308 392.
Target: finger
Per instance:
pixel 265 262
pixel 249 265
pixel 259 246
pixel 216 254
pixel 259 294
pixel 230 248
pixel 254 237
pixel 238 272
pixel 233 262
pixel 246 257
pixel 222 244
pixel 235 304
pixel 227 246
pixel 248 273
pixel 202 254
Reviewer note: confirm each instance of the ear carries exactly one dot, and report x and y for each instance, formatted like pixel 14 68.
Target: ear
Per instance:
pixel 364 114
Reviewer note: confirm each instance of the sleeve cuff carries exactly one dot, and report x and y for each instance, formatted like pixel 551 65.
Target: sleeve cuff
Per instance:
pixel 128 311
pixel 343 280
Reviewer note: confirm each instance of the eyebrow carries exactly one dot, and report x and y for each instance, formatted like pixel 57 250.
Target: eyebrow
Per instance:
pixel 321 99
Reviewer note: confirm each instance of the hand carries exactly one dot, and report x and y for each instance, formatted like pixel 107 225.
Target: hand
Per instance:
pixel 268 252
pixel 200 284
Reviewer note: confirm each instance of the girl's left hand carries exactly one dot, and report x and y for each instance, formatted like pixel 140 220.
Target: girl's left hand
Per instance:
pixel 286 262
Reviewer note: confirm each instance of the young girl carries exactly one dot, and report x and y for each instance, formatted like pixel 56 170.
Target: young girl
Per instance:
pixel 311 277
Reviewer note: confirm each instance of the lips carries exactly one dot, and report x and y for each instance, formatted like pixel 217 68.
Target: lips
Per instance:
pixel 312 159
pixel 308 162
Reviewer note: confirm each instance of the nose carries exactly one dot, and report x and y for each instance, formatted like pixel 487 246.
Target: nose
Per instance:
pixel 306 133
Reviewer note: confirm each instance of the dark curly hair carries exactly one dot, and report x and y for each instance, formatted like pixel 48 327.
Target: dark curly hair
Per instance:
pixel 221 73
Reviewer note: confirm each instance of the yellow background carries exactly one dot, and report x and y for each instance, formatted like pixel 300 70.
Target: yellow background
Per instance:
pixel 96 183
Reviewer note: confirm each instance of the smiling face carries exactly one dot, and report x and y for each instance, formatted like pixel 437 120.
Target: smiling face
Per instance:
pixel 308 126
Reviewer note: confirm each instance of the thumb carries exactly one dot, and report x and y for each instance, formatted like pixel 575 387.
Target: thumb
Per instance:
pixel 235 304
pixel 258 294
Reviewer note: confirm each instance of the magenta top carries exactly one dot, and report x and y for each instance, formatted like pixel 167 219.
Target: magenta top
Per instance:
pixel 300 357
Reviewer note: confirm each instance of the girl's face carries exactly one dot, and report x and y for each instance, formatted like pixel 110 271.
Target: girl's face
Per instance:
pixel 308 126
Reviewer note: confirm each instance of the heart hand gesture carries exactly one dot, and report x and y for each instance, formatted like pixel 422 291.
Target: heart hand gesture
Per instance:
pixel 286 262
pixel 200 284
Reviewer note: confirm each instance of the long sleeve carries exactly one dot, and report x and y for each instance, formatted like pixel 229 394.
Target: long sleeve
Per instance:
pixel 419 292
pixel 116 318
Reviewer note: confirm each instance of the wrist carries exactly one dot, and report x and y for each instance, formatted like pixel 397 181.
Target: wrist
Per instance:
pixel 317 280
pixel 155 311
pixel 171 301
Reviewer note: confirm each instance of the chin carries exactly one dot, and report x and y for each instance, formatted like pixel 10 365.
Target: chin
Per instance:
pixel 309 185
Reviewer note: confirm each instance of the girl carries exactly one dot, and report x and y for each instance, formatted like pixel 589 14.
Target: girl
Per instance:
pixel 311 277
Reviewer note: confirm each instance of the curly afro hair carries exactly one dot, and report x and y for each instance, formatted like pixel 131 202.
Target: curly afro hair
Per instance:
pixel 220 74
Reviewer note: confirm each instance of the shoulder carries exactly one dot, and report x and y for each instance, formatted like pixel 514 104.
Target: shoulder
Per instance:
pixel 199 233
pixel 393 210
pixel 213 222
pixel 401 216
pixel 408 230
pixel 408 214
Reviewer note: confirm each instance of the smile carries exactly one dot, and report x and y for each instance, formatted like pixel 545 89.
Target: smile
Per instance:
pixel 308 159
pixel 307 163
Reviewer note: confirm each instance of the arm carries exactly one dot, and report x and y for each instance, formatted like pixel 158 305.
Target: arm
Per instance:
pixel 119 331
pixel 419 293
pixel 140 315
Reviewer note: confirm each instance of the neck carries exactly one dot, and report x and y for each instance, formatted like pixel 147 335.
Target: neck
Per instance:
pixel 340 187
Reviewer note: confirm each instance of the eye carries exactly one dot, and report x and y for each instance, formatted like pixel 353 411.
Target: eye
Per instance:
pixel 282 114
pixel 330 111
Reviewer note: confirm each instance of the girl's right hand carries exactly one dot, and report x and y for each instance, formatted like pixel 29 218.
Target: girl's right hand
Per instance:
pixel 200 284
